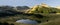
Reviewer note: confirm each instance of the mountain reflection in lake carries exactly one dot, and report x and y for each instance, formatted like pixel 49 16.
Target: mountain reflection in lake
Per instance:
pixel 27 21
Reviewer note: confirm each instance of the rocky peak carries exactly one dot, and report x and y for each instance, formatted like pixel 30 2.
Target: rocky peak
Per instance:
pixel 44 5
pixel 58 7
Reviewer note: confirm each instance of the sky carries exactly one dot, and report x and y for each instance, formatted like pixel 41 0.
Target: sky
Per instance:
pixel 29 2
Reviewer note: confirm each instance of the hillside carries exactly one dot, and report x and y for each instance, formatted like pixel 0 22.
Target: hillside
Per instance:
pixel 43 8
pixel 10 10
pixel 49 13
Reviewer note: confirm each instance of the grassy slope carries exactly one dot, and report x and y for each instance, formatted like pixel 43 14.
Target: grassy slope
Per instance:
pixel 53 20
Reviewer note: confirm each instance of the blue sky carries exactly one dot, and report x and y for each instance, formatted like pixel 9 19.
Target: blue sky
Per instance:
pixel 29 2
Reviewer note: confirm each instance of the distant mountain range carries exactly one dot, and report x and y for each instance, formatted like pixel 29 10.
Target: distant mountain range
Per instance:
pixel 6 10
pixel 42 8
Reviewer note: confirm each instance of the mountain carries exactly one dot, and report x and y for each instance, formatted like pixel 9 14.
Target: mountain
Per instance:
pixel 10 10
pixel 21 8
pixel 43 8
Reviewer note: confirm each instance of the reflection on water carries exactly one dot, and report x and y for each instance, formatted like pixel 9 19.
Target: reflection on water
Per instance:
pixel 27 21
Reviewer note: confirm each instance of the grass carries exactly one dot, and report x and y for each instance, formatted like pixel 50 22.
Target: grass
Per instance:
pixel 53 19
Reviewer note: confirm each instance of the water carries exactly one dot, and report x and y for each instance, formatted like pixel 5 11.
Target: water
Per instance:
pixel 25 21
